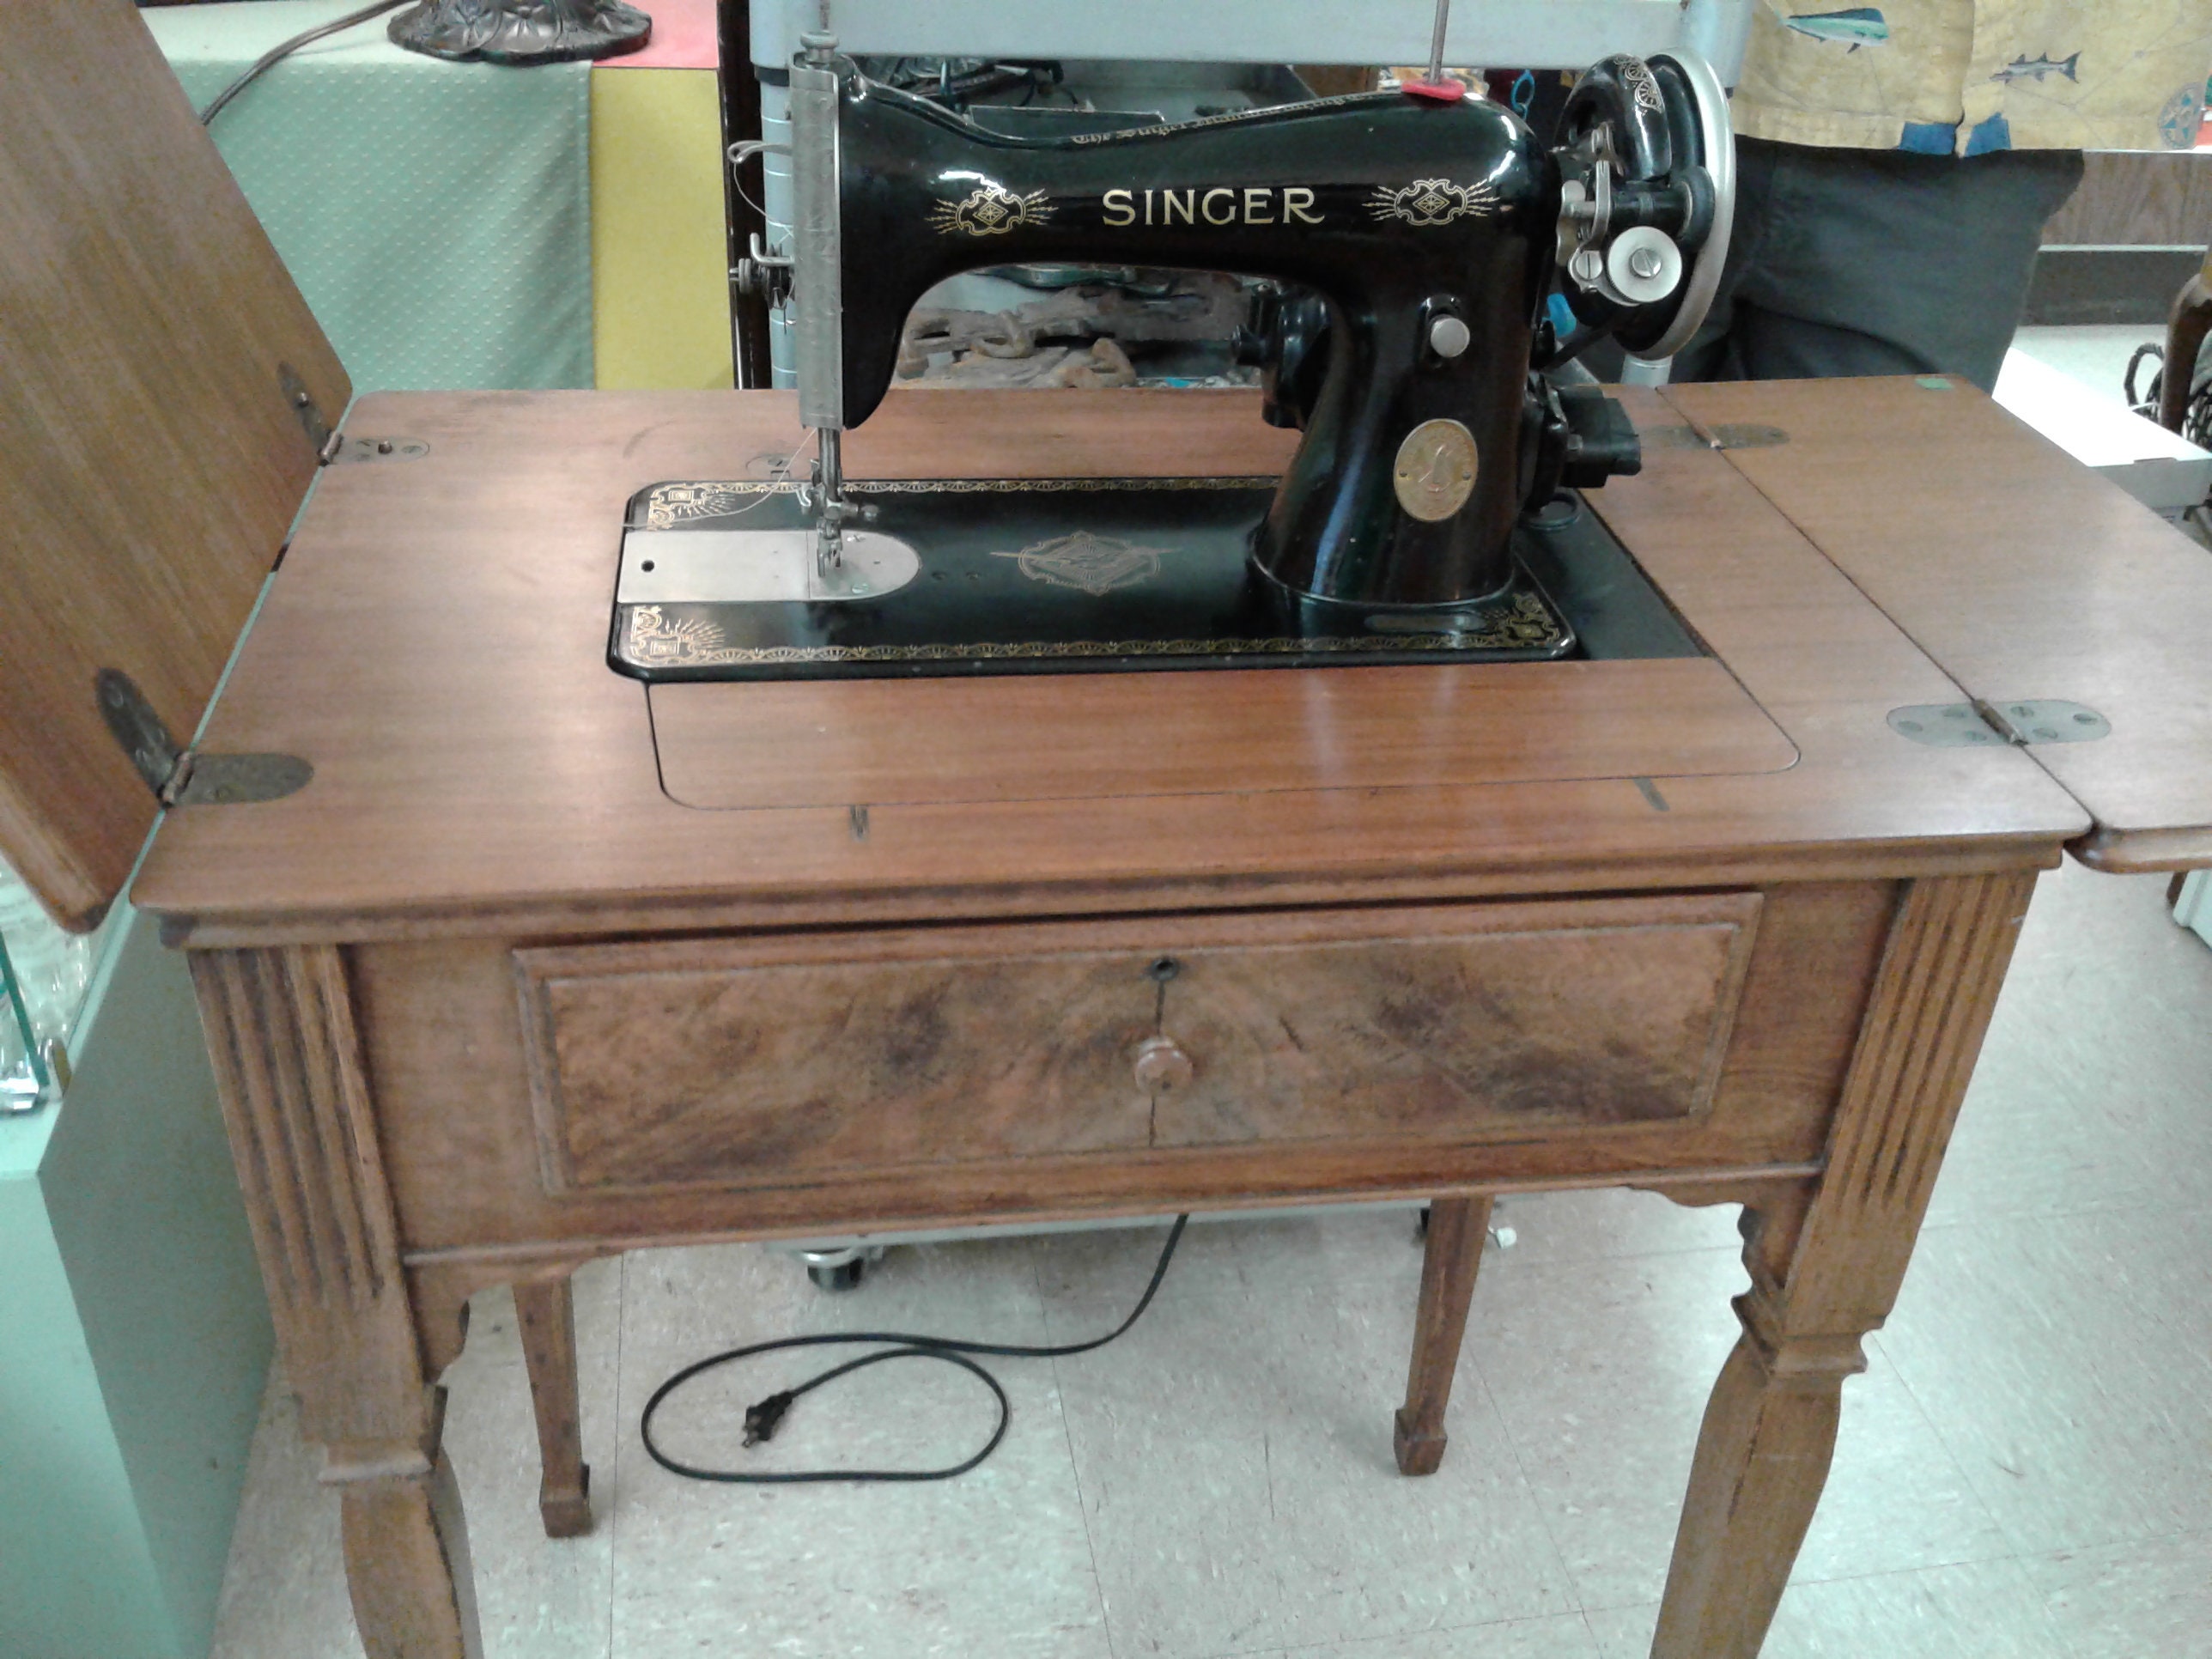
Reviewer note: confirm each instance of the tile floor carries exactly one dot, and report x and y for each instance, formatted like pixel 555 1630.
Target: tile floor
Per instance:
pixel 2024 1472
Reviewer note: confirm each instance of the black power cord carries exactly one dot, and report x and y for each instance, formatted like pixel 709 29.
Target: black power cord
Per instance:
pixel 277 54
pixel 763 1418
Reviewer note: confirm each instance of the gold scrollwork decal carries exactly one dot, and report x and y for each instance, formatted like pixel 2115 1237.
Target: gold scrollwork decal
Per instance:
pixel 1433 202
pixel 1097 564
pixel 990 210
pixel 1521 623
pixel 659 642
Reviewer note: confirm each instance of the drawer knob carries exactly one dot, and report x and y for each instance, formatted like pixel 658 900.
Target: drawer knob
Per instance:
pixel 1162 1065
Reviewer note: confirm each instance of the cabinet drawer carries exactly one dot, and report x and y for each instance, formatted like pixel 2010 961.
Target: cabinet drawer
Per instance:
pixel 752 1060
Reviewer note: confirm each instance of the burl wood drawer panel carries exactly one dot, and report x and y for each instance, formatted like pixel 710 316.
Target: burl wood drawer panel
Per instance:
pixel 737 1062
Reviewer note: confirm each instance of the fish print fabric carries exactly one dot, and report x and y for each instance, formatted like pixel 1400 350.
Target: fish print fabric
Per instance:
pixel 1966 77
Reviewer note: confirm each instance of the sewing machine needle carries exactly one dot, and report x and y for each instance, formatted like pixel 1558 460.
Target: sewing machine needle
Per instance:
pixel 1436 44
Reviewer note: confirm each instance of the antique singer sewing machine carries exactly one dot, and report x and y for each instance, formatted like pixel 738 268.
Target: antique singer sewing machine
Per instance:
pixel 507 961
pixel 1415 237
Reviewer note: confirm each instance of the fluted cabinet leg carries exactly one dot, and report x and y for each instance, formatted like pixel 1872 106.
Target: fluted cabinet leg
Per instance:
pixel 289 1066
pixel 1825 1262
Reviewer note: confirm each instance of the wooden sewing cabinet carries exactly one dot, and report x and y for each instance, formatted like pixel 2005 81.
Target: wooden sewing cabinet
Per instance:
pixel 540 966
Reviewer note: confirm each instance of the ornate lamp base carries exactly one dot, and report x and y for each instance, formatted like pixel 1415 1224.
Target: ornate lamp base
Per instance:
pixel 521 31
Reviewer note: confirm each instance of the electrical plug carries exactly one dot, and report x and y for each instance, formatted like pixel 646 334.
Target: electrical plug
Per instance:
pixel 761 1419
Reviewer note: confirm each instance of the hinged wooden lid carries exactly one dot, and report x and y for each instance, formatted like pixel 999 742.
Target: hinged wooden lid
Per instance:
pixel 2039 587
pixel 163 393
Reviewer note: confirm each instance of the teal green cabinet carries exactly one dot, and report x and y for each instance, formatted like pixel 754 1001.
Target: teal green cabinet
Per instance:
pixel 134 1335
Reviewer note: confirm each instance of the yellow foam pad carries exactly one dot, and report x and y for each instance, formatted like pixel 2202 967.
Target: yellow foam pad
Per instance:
pixel 660 291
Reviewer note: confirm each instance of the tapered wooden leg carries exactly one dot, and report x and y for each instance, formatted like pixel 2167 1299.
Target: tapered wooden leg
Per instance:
pixel 1825 1261
pixel 546 1311
pixel 1763 1455
pixel 295 1099
pixel 1457 1227
pixel 407 1557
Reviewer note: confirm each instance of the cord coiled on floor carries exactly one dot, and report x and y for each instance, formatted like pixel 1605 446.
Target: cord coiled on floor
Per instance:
pixel 765 1416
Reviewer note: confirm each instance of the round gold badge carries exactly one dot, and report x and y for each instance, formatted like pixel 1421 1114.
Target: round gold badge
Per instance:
pixel 1436 469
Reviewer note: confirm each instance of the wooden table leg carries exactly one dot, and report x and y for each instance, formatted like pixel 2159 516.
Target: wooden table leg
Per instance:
pixel 546 1311
pixel 1457 1227
pixel 407 1550
pixel 288 1064
pixel 1825 1263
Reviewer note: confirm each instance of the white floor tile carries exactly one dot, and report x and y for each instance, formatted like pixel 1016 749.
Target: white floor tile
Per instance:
pixel 2066 1363
pixel 537 1597
pixel 1565 1637
pixel 1602 1371
pixel 2150 1601
pixel 1602 1223
pixel 284 1591
pixel 1234 1458
pixel 2087 1094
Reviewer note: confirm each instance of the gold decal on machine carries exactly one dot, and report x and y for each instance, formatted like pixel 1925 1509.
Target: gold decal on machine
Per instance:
pixel 1097 564
pixel 989 210
pixel 1433 202
pixel 1119 202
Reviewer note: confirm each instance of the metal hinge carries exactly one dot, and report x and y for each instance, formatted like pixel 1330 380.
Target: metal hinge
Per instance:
pixel 1965 725
pixel 303 404
pixel 185 777
pixel 362 451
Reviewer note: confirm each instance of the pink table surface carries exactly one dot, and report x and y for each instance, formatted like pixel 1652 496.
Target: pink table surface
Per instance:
pixel 683 37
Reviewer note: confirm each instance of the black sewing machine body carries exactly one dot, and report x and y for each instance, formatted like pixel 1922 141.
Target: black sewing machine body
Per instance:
pixel 1408 247
pixel 1403 213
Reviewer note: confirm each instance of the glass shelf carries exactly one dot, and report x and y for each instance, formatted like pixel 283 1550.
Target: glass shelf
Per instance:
pixel 44 977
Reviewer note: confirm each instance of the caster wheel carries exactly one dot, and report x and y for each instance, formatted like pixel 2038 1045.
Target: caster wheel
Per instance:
pixel 845 1276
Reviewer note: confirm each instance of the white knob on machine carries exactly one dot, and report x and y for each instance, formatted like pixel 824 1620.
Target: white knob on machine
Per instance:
pixel 1644 265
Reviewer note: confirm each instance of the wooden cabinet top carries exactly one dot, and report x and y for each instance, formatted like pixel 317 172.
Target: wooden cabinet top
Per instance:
pixel 435 646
